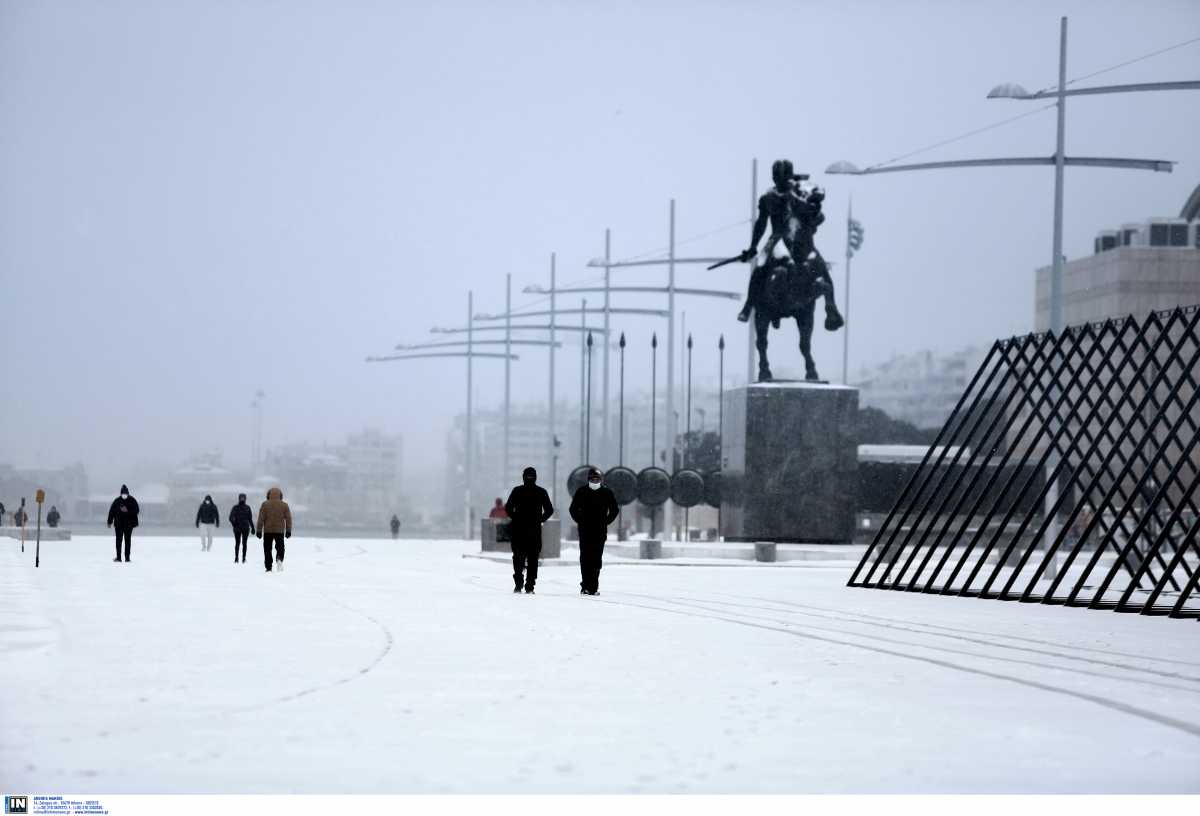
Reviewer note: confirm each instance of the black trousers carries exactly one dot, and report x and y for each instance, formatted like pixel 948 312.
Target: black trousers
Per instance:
pixel 591 559
pixel 277 539
pixel 525 559
pixel 240 537
pixel 127 534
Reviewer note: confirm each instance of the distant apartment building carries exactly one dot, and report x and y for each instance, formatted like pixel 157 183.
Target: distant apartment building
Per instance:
pixel 920 388
pixel 66 488
pixel 356 483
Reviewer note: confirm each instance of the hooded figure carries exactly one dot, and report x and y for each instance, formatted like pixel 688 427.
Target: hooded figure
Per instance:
pixel 593 508
pixel 52 517
pixel 498 511
pixel 207 518
pixel 123 516
pixel 528 506
pixel 274 525
pixel 241 519
pixel 395 525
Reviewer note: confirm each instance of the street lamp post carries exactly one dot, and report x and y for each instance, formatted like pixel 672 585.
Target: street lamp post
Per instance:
pixel 720 415
pixel 621 411
pixel 587 447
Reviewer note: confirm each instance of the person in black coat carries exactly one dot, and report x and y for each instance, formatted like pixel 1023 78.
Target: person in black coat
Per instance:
pixel 208 518
pixel 241 519
pixel 52 517
pixel 528 506
pixel 593 507
pixel 123 516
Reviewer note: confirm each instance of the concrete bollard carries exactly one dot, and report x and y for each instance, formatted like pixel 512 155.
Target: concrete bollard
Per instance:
pixel 649 549
pixel 764 551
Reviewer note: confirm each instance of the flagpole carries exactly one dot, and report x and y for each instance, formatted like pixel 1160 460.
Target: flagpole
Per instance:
pixel 846 330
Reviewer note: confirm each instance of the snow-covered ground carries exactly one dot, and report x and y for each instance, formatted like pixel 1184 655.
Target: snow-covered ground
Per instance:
pixel 391 667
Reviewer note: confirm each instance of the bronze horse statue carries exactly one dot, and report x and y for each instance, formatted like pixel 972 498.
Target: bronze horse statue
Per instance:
pixel 796 276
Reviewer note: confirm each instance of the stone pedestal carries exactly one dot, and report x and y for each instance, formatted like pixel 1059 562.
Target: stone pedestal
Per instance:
pixel 789 463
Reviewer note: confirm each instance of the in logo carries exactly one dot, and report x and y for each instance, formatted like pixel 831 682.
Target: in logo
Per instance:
pixel 16 804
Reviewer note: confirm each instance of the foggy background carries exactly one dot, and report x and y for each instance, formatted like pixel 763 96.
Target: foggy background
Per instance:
pixel 202 199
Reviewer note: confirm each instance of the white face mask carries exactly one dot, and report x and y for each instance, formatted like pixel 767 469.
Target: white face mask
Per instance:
pixel 124 495
pixel 594 485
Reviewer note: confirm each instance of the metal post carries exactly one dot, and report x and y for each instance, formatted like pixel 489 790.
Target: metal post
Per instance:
pixel 582 376
pixel 605 440
pixel 846 310
pixel 621 411
pixel 1056 316
pixel 668 507
pixel 653 398
pixel 653 417
pixel 507 369
pixel 720 416
pixel 750 324
pixel 553 428
pixel 470 441
pixel 687 438
pixel 37 553
pixel 1056 310
pixel 587 427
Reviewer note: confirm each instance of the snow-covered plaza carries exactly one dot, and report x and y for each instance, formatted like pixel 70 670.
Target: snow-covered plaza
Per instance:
pixel 403 667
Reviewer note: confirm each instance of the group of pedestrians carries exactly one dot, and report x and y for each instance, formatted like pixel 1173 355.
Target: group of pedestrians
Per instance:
pixel 274 525
pixel 593 508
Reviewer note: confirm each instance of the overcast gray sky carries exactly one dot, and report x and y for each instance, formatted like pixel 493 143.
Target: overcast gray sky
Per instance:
pixel 200 199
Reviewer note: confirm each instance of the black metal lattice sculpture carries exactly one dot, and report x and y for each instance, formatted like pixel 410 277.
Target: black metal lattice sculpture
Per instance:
pixel 1066 474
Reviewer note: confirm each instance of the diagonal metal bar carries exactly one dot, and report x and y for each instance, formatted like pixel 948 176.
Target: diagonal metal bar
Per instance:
pixel 1093 474
pixel 938 442
pixel 948 473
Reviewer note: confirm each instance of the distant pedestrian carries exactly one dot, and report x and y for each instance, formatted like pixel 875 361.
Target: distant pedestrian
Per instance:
pixel 208 518
pixel 593 507
pixel 123 516
pixel 395 525
pixel 498 511
pixel 52 517
pixel 2 511
pixel 274 525
pixel 20 517
pixel 241 519
pixel 528 507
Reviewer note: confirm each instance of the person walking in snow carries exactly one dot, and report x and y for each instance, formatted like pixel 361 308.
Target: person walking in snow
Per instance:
pixel 528 507
pixel 52 517
pixel 593 508
pixel 274 525
pixel 241 519
pixel 207 519
pixel 395 525
pixel 123 516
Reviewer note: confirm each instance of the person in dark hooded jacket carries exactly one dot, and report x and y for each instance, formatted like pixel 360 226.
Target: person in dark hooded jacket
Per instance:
pixel 528 506
pixel 593 508
pixel 123 516
pixel 207 518
pixel 241 519
pixel 275 522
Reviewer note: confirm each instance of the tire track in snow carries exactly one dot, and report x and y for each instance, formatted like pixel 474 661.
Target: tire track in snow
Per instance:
pixel 1192 729
pixel 908 628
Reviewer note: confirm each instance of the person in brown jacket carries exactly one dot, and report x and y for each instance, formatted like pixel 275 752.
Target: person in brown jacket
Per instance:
pixel 275 520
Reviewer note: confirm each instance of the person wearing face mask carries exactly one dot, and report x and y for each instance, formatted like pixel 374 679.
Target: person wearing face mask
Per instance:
pixel 123 516
pixel 528 507
pixel 207 519
pixel 241 519
pixel 593 507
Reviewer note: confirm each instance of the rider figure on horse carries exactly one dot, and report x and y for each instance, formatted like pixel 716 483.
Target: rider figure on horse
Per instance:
pixel 794 217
